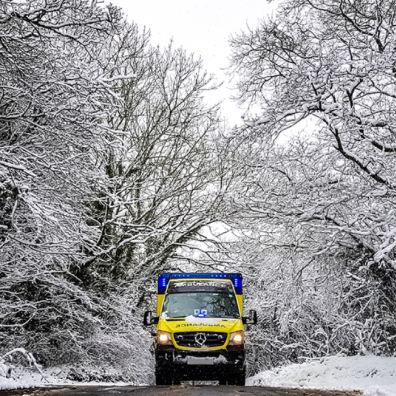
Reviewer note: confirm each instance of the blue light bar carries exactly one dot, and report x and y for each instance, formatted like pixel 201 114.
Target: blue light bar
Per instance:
pixel 164 279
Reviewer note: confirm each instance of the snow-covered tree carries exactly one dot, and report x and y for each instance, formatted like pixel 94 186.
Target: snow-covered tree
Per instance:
pixel 164 165
pixel 110 163
pixel 54 103
pixel 326 72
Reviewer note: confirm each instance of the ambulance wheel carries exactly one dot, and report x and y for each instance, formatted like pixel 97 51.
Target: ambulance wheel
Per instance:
pixel 163 377
pixel 176 380
pixel 223 381
pixel 238 379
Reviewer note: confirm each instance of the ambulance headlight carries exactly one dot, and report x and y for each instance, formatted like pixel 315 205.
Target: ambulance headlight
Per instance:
pixel 237 338
pixel 164 338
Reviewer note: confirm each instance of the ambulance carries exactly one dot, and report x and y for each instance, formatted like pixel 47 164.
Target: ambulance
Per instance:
pixel 200 328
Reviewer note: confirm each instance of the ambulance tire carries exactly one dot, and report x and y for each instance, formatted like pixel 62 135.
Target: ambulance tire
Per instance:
pixel 223 380
pixel 238 379
pixel 163 377
pixel 176 380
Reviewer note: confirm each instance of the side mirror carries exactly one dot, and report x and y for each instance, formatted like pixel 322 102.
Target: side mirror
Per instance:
pixel 251 319
pixel 149 319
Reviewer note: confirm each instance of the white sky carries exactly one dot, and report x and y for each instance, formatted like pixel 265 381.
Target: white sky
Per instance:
pixel 200 26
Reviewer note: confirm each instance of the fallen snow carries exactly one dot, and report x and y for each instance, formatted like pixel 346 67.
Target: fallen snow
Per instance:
pixel 373 375
pixel 26 378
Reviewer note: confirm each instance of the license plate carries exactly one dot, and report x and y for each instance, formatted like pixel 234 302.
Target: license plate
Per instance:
pixel 204 361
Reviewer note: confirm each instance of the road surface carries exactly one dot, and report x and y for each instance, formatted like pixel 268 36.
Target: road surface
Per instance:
pixel 180 390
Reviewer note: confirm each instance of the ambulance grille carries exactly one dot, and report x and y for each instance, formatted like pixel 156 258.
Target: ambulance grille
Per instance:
pixel 200 339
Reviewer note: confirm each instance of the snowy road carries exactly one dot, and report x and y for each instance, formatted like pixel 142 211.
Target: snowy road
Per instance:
pixel 182 390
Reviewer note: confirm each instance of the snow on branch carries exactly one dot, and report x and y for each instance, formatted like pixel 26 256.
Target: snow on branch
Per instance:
pixel 9 356
pixel 17 167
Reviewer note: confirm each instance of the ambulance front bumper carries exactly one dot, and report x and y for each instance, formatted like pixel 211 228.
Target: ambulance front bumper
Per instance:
pixel 205 364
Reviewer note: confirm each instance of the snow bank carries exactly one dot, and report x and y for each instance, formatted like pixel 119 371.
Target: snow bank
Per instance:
pixel 374 375
pixel 26 378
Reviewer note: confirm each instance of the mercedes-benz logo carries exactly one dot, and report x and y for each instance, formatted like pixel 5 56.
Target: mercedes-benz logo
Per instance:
pixel 200 338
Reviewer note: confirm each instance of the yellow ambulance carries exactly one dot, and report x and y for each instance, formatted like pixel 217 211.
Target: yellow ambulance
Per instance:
pixel 200 328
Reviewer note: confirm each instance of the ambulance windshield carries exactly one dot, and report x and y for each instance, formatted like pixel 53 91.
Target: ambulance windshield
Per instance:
pixel 200 304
